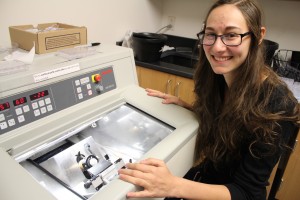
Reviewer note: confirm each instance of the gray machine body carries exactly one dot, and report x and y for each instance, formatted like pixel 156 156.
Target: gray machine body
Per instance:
pixel 64 135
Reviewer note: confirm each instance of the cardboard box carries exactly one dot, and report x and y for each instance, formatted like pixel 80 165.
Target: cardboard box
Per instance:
pixel 48 37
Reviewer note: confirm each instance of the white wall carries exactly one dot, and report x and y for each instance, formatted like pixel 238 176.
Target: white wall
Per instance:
pixel 282 19
pixel 189 16
pixel 283 23
pixel 106 20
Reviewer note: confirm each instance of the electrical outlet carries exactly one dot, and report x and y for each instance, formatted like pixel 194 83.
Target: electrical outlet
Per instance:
pixel 171 21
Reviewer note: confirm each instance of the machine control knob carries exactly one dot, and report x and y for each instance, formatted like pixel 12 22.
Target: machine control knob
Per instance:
pixel 96 78
pixel 99 88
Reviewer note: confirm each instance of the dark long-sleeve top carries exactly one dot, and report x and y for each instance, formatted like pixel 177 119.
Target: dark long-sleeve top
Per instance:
pixel 252 173
pixel 251 176
pixel 247 177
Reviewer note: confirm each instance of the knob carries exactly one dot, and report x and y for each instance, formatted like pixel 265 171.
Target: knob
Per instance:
pixel 96 78
pixel 99 88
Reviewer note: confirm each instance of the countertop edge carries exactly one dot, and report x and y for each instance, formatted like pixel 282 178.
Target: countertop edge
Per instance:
pixel 167 68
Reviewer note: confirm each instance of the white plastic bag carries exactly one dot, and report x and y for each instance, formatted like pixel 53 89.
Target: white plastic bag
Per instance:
pixel 127 42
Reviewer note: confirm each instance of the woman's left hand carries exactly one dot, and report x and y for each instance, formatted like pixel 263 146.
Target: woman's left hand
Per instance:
pixel 151 174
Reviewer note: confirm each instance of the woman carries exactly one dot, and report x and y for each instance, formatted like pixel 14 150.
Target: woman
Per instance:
pixel 245 114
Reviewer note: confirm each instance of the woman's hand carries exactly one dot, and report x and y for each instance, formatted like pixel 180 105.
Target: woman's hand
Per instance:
pixel 167 98
pixel 157 181
pixel 151 174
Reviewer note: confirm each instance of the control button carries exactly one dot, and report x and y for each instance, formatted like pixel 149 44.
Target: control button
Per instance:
pixel 84 80
pixel 80 96
pixel 49 108
pixel 96 78
pixel 3 125
pixel 77 82
pixel 26 108
pixel 11 122
pixel 41 103
pixel 88 86
pixel 21 118
pixel 79 90
pixel 90 92
pixel 47 100
pixel 43 110
pixel 36 112
pixel 34 105
pixel 19 111
pixel 2 117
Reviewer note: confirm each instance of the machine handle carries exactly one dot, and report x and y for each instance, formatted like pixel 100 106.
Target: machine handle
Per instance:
pixel 177 89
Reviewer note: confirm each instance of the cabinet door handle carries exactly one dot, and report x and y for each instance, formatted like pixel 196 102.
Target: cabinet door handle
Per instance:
pixel 177 89
pixel 169 81
pixel 280 184
pixel 295 144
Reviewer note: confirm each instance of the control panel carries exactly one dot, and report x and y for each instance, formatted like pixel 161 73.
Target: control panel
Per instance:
pixel 23 108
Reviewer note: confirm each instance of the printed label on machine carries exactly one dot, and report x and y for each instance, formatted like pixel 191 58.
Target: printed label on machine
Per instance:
pixel 56 72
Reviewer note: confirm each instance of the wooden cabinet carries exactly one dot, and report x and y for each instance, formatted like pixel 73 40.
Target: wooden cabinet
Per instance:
pixel 167 83
pixel 289 188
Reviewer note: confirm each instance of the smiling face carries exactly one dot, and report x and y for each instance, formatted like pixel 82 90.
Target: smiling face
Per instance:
pixel 225 59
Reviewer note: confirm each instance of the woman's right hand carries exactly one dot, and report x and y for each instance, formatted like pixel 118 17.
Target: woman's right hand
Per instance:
pixel 167 98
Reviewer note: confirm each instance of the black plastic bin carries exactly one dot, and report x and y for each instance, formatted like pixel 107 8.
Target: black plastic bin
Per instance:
pixel 295 59
pixel 270 49
pixel 147 47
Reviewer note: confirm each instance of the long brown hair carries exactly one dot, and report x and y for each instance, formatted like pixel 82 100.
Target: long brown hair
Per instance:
pixel 225 124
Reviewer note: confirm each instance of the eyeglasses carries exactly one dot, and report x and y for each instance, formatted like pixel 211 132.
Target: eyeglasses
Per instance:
pixel 229 39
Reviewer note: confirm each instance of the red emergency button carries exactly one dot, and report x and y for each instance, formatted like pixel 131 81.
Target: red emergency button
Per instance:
pixel 96 78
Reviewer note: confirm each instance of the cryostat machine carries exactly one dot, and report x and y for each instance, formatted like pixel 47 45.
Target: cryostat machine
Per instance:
pixel 68 125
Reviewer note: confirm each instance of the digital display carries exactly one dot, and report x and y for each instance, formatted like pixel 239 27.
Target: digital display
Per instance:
pixel 4 106
pixel 38 95
pixel 19 101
